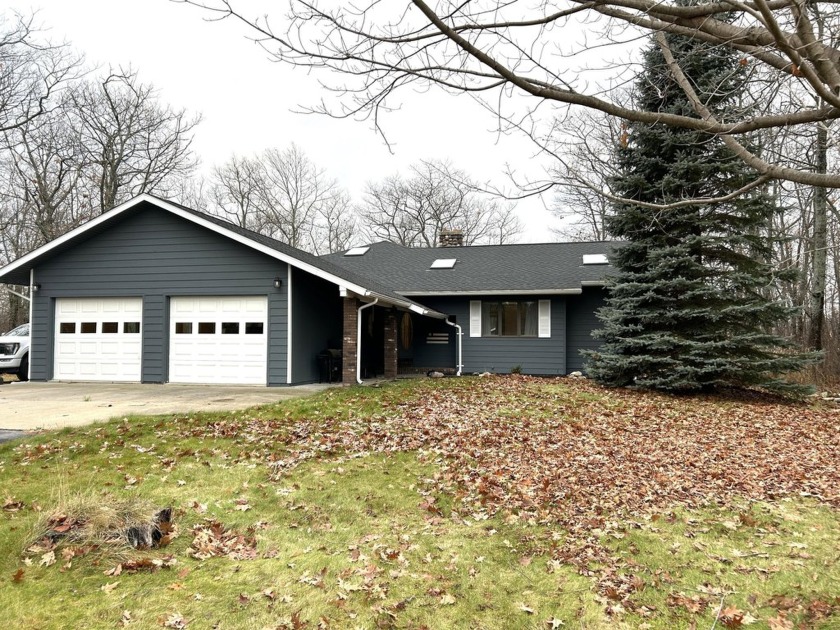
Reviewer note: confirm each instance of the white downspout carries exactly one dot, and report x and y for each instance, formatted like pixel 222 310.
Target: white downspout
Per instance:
pixel 31 331
pixel 359 339
pixel 459 334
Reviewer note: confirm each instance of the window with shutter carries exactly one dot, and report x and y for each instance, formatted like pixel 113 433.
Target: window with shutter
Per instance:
pixel 545 318
pixel 475 318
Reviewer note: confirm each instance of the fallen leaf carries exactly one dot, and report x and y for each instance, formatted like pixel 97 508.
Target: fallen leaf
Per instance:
pixel 780 622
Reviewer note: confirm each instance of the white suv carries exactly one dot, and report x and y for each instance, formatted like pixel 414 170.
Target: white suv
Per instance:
pixel 14 352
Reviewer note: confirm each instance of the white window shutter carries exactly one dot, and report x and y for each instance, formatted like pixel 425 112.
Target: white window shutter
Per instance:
pixel 475 318
pixel 545 318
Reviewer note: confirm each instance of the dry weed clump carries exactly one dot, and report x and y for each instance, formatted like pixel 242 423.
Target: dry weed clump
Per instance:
pixel 102 522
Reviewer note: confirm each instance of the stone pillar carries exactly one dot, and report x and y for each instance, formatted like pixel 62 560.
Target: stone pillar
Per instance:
pixel 349 341
pixel 391 345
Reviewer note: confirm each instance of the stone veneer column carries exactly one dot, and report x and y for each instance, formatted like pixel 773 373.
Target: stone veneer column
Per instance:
pixel 390 345
pixel 349 343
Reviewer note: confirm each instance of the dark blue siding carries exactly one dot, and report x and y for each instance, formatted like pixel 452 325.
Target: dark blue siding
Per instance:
pixel 155 338
pixel 316 323
pixel 582 321
pixel 424 355
pixel 501 354
pixel 155 255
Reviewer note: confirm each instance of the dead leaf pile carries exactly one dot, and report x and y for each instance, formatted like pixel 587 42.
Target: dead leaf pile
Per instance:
pixel 589 455
pixel 568 452
pixel 212 539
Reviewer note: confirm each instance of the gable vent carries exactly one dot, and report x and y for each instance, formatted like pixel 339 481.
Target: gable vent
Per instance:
pixel 444 263
pixel 595 259
pixel 357 251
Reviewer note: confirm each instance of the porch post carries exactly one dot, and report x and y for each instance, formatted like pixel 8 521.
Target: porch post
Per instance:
pixel 349 344
pixel 390 345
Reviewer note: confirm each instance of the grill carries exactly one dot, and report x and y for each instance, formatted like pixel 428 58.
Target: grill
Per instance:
pixel 329 366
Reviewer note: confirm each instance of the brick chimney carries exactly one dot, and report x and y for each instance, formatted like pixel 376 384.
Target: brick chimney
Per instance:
pixel 451 238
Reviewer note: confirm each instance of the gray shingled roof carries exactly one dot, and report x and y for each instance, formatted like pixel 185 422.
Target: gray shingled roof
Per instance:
pixel 323 263
pixel 528 267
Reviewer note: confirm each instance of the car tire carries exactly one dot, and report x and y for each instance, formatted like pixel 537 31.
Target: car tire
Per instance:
pixel 23 371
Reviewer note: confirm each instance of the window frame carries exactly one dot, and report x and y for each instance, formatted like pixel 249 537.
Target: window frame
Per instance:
pixel 478 318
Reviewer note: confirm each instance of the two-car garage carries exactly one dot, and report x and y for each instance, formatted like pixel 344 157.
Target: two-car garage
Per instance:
pixel 212 339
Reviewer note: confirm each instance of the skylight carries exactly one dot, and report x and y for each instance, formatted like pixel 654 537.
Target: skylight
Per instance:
pixel 444 263
pixel 595 259
pixel 357 251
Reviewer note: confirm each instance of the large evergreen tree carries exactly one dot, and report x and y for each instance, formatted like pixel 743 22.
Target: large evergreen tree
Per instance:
pixel 688 308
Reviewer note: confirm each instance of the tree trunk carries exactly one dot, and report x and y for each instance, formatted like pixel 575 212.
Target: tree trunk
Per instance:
pixel 819 246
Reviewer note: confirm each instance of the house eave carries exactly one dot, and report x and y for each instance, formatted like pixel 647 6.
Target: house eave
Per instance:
pixel 407 305
pixel 492 292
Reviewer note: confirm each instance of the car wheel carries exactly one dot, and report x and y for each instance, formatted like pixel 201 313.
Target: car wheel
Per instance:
pixel 23 372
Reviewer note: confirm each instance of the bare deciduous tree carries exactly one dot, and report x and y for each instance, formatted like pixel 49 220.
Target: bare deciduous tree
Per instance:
pixel 234 190
pixel 31 71
pixel 283 194
pixel 436 196
pixel 131 143
pixel 506 50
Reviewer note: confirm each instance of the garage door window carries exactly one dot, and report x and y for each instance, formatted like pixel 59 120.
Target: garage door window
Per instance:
pixel 67 328
pixel 230 328
pixel 131 328
pixel 88 328
pixel 254 328
pixel 206 328
pixel 183 328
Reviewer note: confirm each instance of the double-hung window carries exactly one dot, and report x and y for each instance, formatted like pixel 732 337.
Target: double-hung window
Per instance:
pixel 510 318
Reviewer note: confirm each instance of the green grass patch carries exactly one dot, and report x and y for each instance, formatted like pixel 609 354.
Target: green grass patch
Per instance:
pixel 398 539
pixel 354 541
pixel 774 563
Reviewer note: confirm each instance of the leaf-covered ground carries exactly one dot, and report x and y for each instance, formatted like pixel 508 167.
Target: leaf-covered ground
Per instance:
pixel 672 511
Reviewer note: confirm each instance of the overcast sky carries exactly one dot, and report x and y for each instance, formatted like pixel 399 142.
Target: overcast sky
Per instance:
pixel 246 100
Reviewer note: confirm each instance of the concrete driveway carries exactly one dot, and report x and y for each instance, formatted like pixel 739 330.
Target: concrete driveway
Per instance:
pixel 31 406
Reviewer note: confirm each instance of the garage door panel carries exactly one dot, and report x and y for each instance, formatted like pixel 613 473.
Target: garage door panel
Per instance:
pixel 209 343
pixel 93 339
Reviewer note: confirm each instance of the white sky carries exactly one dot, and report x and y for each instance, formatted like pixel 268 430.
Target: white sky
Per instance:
pixel 246 100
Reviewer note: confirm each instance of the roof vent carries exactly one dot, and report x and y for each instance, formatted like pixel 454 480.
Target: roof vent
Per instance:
pixel 595 259
pixel 357 251
pixel 444 263
pixel 451 238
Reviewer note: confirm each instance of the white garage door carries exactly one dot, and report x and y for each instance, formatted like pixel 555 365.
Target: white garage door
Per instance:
pixel 218 340
pixel 98 339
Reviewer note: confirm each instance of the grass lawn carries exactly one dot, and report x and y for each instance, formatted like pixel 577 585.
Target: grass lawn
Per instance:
pixel 454 503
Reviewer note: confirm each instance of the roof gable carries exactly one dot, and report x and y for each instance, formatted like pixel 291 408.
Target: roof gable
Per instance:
pixel 18 271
